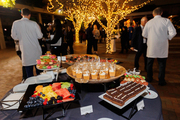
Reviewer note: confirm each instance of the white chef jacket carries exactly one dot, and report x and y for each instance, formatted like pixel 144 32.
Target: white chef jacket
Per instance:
pixel 158 31
pixel 27 32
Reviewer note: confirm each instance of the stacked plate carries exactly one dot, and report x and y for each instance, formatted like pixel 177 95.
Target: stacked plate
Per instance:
pixel 21 87
pixel 43 78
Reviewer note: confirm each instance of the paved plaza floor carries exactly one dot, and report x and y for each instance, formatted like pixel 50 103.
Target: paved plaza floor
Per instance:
pixel 11 75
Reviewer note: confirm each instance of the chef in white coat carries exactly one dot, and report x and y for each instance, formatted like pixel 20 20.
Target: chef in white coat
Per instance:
pixel 158 32
pixel 27 32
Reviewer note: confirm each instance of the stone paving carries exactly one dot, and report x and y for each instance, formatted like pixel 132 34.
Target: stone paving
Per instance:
pixel 10 72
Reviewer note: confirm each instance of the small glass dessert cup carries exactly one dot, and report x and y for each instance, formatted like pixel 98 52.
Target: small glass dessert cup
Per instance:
pixel 102 74
pixel 86 75
pixel 112 70
pixel 78 73
pixel 94 74
pixel 112 73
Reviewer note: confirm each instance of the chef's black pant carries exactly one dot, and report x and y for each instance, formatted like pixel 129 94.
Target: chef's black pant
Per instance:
pixel 162 67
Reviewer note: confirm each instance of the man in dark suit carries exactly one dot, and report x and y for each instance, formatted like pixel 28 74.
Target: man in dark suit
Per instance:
pixel 139 43
pixel 89 37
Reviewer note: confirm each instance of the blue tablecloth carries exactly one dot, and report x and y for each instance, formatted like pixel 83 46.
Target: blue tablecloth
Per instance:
pixel 101 109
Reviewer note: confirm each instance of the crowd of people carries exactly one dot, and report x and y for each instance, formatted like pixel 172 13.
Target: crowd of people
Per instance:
pixel 150 38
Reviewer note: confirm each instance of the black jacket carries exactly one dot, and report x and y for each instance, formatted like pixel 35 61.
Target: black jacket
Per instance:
pixel 58 33
pixel 137 39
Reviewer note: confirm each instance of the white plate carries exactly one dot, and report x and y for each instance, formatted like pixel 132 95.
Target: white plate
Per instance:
pixel 151 95
pixel 104 119
pixel 31 80
pixel 48 69
pixel 127 102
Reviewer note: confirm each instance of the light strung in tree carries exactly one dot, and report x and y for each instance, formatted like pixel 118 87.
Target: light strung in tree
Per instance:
pixel 76 11
pixel 114 11
pixel 7 3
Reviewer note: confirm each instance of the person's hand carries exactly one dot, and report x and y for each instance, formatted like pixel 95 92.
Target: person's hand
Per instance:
pixel 132 48
pixel 43 39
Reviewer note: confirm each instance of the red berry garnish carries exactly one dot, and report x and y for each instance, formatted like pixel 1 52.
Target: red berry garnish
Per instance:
pixel 45 103
pixel 71 88
pixel 71 85
pixel 35 91
pixel 46 99
pixel 39 94
pixel 72 95
pixel 59 101
pixel 58 87
pixel 50 84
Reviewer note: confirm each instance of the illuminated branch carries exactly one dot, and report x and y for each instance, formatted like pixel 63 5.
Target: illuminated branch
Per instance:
pixel 114 11
pixel 7 3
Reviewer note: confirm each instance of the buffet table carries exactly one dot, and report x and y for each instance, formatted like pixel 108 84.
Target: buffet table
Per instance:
pixel 101 109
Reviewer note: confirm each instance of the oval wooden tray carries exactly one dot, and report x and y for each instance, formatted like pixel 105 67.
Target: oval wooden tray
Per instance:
pixel 120 71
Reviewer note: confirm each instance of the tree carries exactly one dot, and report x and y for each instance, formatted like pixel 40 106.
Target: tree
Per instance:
pixel 75 10
pixel 7 3
pixel 114 11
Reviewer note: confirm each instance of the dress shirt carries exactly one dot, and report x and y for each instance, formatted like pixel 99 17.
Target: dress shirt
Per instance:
pixel 158 31
pixel 27 32
pixel 144 39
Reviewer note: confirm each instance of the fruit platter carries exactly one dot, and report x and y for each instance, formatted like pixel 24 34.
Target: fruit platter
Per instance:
pixel 48 94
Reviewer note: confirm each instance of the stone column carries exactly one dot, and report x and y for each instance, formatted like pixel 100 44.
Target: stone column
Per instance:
pixel 39 18
pixel 2 40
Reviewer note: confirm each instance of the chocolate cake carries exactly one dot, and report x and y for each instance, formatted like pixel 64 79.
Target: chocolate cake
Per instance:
pixel 121 94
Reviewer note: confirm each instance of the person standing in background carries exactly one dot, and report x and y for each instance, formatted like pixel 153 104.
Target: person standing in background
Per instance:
pixel 124 39
pixel 89 37
pixel 158 31
pixel 96 35
pixel 57 40
pixel 139 43
pixel 130 29
pixel 69 40
pixel 27 32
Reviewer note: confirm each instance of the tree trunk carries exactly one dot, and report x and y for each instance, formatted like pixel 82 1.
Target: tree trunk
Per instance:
pixel 76 35
pixel 108 42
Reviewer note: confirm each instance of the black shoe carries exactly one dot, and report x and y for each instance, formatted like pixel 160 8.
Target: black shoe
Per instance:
pixel 162 84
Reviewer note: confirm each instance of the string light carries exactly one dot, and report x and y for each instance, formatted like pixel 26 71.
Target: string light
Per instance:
pixel 7 3
pixel 113 11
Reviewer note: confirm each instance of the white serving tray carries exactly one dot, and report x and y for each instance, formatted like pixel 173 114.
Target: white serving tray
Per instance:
pixel 127 102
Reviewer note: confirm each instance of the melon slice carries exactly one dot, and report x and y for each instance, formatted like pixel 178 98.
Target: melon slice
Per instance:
pixel 63 92
pixel 55 86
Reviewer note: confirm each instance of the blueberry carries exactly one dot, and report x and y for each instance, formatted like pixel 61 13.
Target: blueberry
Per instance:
pixel 40 99
pixel 26 106
pixel 43 95
pixel 53 98
pixel 35 102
